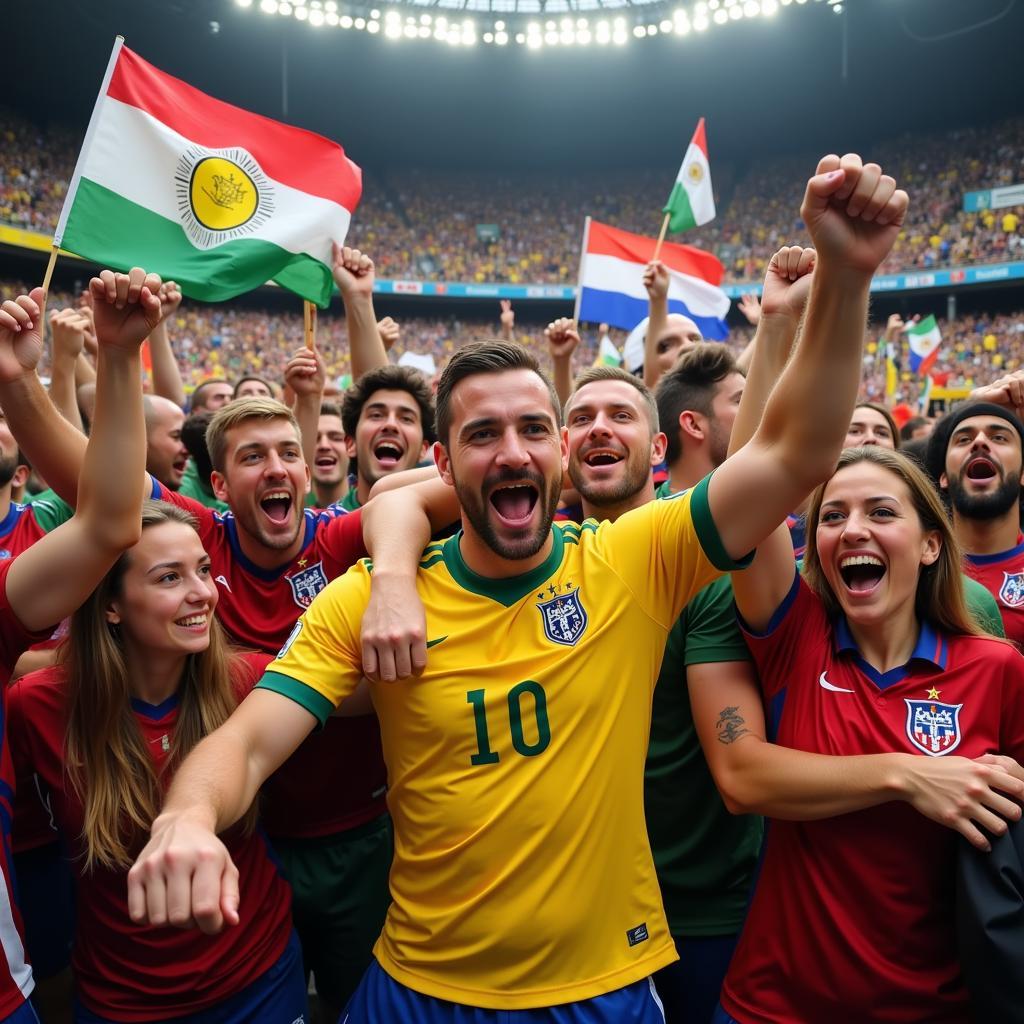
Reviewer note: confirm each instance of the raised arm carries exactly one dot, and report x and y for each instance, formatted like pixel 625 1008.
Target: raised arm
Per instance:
pixel 185 874
pixel 56 575
pixel 563 339
pixel 166 374
pixel 306 376
pixel 656 283
pixel 353 273
pixel 853 213
pixel 786 288
pixel 68 328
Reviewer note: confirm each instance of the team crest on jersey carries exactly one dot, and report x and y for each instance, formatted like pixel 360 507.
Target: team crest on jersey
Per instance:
pixel 4 554
pixel 1011 593
pixel 933 727
pixel 307 584
pixel 565 618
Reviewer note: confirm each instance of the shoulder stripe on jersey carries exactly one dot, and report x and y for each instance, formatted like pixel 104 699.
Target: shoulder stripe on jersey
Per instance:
pixel 429 563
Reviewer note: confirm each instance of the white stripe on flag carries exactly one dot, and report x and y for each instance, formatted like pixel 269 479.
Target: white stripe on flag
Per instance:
pixel 612 274
pixel 136 156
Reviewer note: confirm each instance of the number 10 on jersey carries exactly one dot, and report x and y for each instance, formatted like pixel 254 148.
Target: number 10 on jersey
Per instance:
pixel 528 694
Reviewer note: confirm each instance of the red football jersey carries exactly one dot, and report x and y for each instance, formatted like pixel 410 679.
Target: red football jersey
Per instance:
pixel 853 916
pixel 130 972
pixel 1002 575
pixel 15 975
pixel 336 780
pixel 21 528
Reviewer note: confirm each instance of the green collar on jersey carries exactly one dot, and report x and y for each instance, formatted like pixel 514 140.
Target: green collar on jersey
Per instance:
pixel 512 589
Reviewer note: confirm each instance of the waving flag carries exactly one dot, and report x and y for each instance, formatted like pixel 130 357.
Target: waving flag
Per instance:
pixel 217 198
pixel 925 342
pixel 612 288
pixel 607 353
pixel 692 202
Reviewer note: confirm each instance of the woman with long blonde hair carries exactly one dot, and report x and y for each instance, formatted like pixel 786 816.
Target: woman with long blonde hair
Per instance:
pixel 145 676
pixel 873 651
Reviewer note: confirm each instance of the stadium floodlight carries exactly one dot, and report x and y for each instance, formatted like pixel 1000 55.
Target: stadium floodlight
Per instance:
pixel 501 39
pixel 565 24
pixel 582 23
pixel 551 38
pixel 638 31
pixel 751 8
pixel 332 19
pixel 244 3
pixel 534 42
pixel 682 28
pixel 769 7
pixel 345 21
pixel 268 6
pixel 549 26
pixel 331 7
pixel 583 37
pixel 838 8
pixel 301 14
pixel 410 32
pixel 619 24
pixel 713 5
pixel 721 16
pixel 375 14
pixel 360 23
pixel 316 18
pixel 284 8
pixel 700 23
pixel 736 13
pixel 665 26
pixel 652 30
pixel 425 19
pixel 423 31
pixel 620 39
pixel 520 38
pixel 499 26
pixel 392 30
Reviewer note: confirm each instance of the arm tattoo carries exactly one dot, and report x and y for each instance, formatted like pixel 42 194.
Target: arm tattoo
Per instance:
pixel 730 725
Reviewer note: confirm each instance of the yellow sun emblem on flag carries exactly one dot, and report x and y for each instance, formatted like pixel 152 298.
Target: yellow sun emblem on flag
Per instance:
pixel 695 172
pixel 222 195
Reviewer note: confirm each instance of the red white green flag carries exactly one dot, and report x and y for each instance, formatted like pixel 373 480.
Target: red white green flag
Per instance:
pixel 692 202
pixel 217 198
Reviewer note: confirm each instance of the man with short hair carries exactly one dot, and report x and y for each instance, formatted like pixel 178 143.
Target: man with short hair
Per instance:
pixel 196 482
pixel 166 455
pixel 330 459
pixel 516 800
pixel 668 334
pixel 704 856
pixel 211 395
pixel 697 403
pixel 388 419
pixel 975 456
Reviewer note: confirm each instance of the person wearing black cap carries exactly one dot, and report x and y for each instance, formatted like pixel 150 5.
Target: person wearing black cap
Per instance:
pixel 975 455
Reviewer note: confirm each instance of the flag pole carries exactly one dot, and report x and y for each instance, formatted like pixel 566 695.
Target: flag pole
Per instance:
pixel 309 323
pixel 661 236
pixel 54 249
pixel 579 276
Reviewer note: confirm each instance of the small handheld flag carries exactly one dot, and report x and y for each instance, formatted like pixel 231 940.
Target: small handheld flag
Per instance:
pixel 692 202
pixel 925 341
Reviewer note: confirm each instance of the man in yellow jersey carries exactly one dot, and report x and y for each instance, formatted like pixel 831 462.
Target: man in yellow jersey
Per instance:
pixel 523 878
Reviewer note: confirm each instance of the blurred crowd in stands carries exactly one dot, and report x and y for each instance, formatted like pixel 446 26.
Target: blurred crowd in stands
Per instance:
pixel 431 225
pixel 236 339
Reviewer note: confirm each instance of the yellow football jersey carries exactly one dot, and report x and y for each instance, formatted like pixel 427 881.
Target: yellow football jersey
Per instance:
pixel 522 874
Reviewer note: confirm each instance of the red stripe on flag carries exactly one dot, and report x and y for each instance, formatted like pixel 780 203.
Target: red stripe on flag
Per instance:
pixel 608 241
pixel 293 156
pixel 699 139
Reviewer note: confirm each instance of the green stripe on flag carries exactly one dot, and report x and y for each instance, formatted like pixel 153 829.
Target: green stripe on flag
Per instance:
pixel 678 207
pixel 118 233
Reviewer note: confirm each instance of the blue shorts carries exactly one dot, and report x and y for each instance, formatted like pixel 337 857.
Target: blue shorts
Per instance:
pixel 278 996
pixel 721 1017
pixel 24 1014
pixel 380 998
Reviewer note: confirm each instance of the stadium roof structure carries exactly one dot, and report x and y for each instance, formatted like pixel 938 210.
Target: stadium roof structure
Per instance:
pixel 530 23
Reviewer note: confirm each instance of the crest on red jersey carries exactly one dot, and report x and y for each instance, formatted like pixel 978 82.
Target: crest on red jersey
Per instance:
pixel 307 584
pixel 1011 593
pixel 933 727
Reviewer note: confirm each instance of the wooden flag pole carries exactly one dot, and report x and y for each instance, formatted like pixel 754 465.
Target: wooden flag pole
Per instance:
pixel 661 236
pixel 47 277
pixel 309 323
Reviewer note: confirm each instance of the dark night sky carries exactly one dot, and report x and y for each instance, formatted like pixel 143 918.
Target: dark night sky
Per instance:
pixel 765 86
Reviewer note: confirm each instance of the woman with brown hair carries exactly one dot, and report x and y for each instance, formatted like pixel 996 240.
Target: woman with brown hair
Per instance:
pixel 872 651
pixel 145 676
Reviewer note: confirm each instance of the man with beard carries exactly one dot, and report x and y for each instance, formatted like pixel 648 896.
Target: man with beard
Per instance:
pixel 388 419
pixel 522 874
pixel 703 854
pixel 975 455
